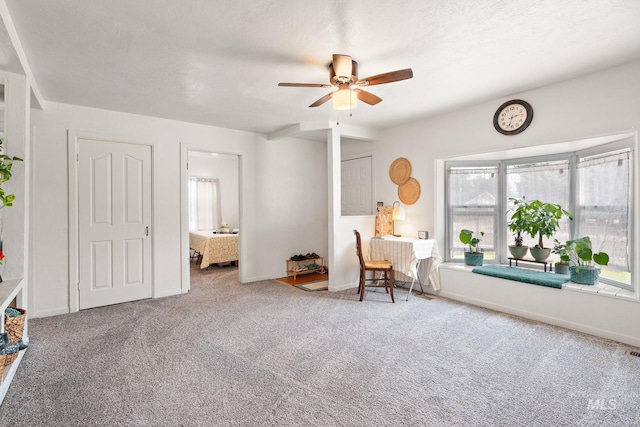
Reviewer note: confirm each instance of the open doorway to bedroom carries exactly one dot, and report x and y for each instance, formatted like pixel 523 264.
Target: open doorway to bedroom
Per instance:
pixel 213 215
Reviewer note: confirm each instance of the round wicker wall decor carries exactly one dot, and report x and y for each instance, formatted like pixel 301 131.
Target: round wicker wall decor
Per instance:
pixel 400 171
pixel 409 192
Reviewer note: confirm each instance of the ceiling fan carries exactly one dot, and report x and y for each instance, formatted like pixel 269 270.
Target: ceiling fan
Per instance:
pixel 343 75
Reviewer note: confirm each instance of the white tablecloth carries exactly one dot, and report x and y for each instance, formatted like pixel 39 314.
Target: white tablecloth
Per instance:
pixel 405 252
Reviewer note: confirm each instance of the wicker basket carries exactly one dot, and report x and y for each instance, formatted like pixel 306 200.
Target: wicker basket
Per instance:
pixel 584 275
pixel 2 360
pixel 15 327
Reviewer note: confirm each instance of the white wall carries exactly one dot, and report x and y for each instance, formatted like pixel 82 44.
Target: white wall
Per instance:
pixel 226 170
pixel 283 196
pixel 597 104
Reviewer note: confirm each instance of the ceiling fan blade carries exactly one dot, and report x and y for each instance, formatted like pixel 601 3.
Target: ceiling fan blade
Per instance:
pixel 390 77
pixel 367 97
pixel 342 65
pixel 322 100
pixel 304 85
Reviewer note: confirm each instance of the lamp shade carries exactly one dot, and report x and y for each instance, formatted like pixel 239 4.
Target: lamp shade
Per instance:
pixel 344 99
pixel 399 213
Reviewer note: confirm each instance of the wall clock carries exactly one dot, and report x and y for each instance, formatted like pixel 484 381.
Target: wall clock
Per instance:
pixel 513 117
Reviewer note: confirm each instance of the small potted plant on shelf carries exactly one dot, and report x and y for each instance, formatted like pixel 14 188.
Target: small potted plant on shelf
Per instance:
pixel 474 256
pixel 6 163
pixel 561 249
pixel 518 224
pixel 582 261
pixel 543 221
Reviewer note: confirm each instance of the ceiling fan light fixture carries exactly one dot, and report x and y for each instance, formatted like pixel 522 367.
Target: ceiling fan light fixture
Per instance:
pixel 342 65
pixel 344 99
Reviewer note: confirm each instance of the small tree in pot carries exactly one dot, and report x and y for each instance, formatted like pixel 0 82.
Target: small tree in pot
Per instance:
pixel 544 220
pixel 518 224
pixel 474 256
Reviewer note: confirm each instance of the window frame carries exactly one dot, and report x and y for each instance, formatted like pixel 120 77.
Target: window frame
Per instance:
pixel 622 141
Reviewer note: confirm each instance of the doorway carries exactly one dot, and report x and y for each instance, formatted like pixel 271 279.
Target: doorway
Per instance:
pixel 213 213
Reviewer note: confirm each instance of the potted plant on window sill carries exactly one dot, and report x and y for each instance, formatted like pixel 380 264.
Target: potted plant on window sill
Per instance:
pixel 518 224
pixel 561 249
pixel 543 221
pixel 474 256
pixel 582 267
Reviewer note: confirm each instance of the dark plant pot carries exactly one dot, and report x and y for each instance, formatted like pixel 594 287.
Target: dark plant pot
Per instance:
pixel 562 268
pixel 473 258
pixel 518 252
pixel 540 254
pixel 584 275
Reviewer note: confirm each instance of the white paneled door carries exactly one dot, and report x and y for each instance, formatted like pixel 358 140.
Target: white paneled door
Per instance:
pixel 114 215
pixel 356 186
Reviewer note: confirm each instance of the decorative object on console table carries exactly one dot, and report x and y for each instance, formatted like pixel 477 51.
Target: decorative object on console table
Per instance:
pixel 474 256
pixel 384 221
pixel 397 214
pixel 423 234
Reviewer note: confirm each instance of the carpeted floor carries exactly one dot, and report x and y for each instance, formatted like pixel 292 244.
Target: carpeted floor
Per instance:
pixel 267 354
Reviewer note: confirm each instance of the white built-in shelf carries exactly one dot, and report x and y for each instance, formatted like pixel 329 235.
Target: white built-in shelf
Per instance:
pixel 9 289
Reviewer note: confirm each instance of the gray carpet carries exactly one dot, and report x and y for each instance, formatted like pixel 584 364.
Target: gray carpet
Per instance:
pixel 266 354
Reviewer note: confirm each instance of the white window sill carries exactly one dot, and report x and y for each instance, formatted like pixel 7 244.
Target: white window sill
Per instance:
pixel 600 289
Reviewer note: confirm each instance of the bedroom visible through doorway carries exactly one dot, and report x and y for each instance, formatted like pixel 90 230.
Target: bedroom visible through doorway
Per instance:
pixel 213 212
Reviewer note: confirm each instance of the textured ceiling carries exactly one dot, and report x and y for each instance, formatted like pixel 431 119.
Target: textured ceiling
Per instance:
pixel 219 62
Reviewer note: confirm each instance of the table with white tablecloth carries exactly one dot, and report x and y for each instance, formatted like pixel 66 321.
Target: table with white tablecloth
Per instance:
pixel 412 258
pixel 214 248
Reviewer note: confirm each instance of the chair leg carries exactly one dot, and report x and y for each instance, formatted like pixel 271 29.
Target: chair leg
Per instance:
pixel 391 286
pixel 361 287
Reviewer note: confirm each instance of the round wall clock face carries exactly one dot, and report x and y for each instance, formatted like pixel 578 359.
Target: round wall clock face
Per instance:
pixel 513 117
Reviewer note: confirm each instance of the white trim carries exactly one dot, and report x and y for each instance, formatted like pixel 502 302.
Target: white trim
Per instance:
pixel 17 45
pixel 571 309
pixel 72 154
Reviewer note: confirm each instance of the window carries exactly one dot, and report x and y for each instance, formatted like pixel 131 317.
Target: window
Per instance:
pixel 548 181
pixel 473 197
pixel 593 184
pixel 603 208
pixel 204 204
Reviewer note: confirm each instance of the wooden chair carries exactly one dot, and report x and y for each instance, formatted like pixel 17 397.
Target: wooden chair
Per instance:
pixel 384 267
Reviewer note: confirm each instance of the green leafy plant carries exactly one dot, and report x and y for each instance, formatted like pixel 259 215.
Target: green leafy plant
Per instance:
pixel 580 253
pixel 466 237
pixel 519 221
pixel 543 219
pixel 562 250
pixel 6 163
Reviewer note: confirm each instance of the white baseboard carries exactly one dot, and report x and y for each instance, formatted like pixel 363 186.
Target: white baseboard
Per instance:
pixel 611 318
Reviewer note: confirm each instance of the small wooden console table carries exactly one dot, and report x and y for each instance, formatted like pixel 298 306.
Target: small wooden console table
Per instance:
pixel 532 261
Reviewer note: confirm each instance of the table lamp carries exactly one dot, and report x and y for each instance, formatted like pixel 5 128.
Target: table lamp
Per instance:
pixel 397 214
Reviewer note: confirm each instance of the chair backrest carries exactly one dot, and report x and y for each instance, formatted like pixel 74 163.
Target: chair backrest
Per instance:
pixel 359 247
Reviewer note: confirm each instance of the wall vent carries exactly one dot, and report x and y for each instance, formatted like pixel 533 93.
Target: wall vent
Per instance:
pixel 635 353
